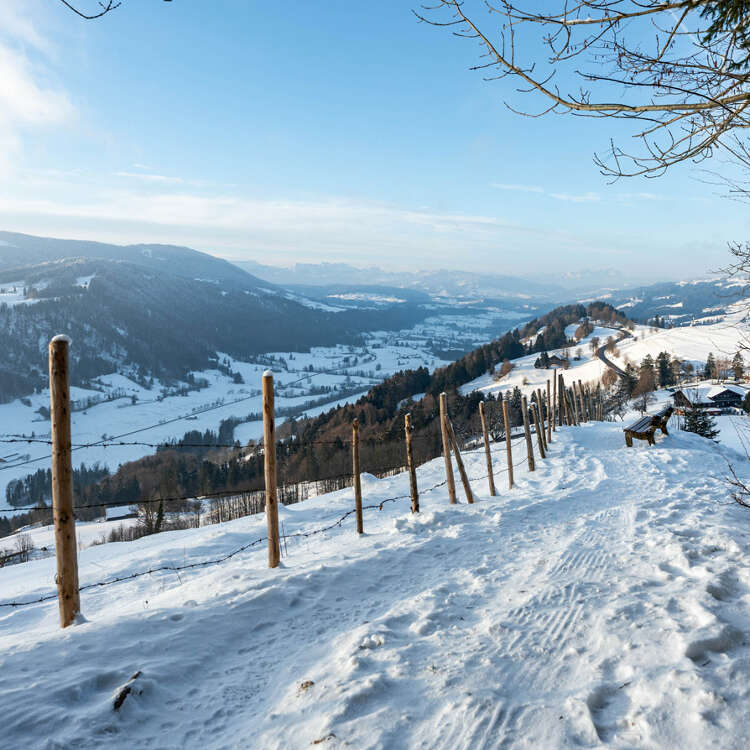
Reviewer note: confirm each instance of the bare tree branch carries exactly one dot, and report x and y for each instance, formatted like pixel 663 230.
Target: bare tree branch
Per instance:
pixel 689 81
pixel 106 7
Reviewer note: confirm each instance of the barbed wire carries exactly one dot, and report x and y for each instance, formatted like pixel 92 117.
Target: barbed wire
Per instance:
pixel 248 545
pixel 334 371
pixel 195 497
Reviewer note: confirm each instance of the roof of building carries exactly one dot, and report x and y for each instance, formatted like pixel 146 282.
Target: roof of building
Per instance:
pixel 707 392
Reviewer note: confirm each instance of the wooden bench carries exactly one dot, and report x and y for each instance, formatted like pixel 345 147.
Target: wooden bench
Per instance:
pixel 645 427
pixel 661 418
pixel 641 429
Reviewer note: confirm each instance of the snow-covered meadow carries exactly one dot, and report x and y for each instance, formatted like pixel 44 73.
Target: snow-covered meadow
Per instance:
pixel 349 371
pixel 603 602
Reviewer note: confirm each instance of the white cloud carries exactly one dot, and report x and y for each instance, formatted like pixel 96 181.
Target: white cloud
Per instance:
pixel 581 198
pixel 329 228
pixel 518 188
pixel 151 177
pixel 27 99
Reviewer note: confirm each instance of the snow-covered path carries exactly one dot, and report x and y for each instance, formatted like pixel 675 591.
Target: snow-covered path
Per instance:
pixel 603 602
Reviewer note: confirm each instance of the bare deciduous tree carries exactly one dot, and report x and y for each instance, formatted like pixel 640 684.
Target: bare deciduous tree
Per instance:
pixel 679 69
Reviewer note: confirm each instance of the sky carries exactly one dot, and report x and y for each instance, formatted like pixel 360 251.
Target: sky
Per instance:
pixel 298 131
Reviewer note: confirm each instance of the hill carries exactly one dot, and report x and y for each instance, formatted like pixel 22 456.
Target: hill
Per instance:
pixel 602 602
pixel 152 311
pixel 681 303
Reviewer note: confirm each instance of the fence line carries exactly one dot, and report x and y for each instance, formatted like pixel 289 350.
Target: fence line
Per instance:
pixel 67 578
pixel 238 550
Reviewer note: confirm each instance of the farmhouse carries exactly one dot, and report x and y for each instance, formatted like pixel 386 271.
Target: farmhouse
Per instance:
pixel 715 397
pixel 555 361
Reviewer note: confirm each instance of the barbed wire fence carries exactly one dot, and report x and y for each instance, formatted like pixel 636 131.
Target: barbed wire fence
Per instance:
pixel 576 404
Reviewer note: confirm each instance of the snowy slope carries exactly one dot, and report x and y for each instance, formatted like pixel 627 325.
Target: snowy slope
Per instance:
pixel 588 368
pixel 692 343
pixel 603 602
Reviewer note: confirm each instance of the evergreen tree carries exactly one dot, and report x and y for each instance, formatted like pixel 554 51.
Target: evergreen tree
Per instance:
pixel 738 366
pixel 701 423
pixel 664 373
pixel 628 383
pixel 710 368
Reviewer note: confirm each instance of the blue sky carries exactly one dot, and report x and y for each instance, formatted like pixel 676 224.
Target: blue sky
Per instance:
pixel 342 131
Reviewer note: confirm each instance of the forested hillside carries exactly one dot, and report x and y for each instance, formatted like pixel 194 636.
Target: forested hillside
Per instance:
pixel 320 446
pixel 158 314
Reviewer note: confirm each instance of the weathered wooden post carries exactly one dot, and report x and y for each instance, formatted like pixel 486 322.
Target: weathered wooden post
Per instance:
pixel 527 433
pixel 410 463
pixel 487 452
pixel 550 415
pixel 572 403
pixel 562 406
pixel 447 448
pixel 357 480
pixel 539 429
pixel 269 465
pixel 460 463
pixel 66 552
pixel 578 403
pixel 555 410
pixel 508 447
pixel 540 409
pixel 582 399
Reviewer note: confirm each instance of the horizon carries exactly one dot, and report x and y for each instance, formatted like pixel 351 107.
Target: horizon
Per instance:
pixel 597 276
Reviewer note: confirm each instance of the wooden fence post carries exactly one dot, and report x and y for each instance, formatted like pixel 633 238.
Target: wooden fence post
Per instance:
pixel 487 452
pixel 66 551
pixel 508 447
pixel 269 465
pixel 539 429
pixel 562 406
pixel 572 402
pixel 447 448
pixel 527 433
pixel 555 410
pixel 357 481
pixel 540 409
pixel 460 463
pixel 582 399
pixel 578 403
pixel 410 463
pixel 550 415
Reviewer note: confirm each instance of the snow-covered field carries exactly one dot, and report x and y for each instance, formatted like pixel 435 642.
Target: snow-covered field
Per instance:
pixel 691 343
pixel 350 370
pixel 604 602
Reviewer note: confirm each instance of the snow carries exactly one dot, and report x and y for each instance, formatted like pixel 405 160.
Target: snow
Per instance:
pixel 85 281
pixel 602 602
pixel 345 369
pixel 588 368
pixel 704 391
pixel 364 297
pixel 12 293
pixel 691 343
